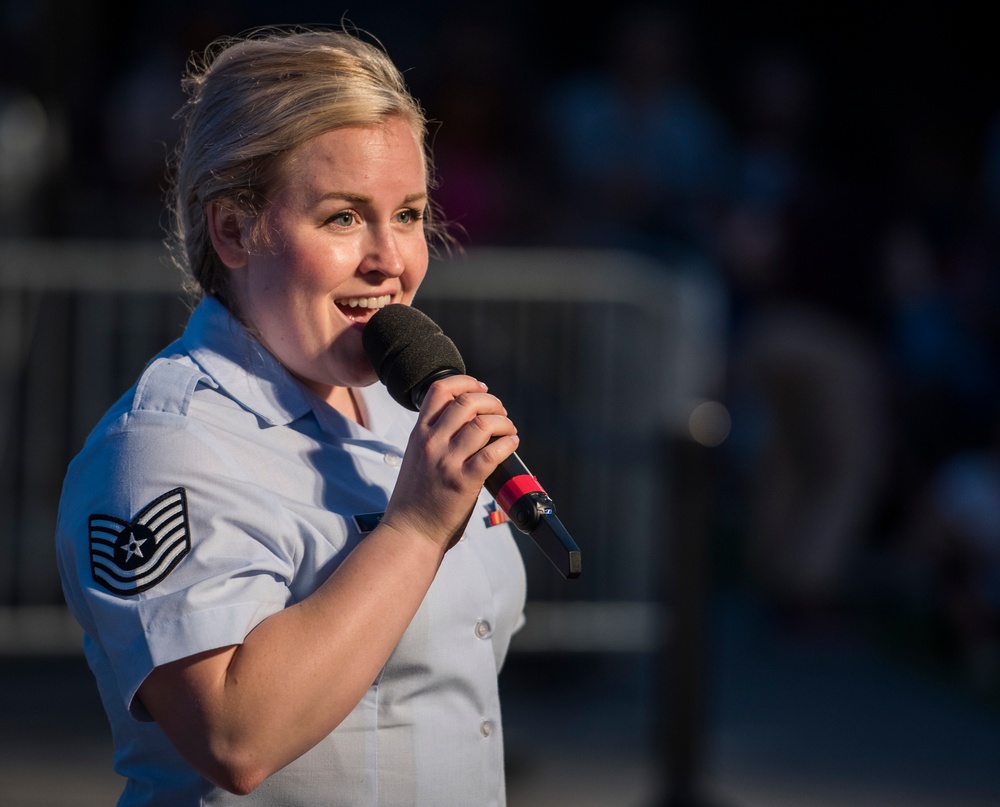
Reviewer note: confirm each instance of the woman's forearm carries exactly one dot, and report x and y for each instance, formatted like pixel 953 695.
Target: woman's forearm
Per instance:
pixel 242 713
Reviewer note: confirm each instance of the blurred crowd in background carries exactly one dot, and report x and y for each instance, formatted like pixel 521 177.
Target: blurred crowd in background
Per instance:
pixel 838 169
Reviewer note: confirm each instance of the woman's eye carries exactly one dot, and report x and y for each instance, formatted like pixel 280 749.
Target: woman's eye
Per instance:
pixel 345 219
pixel 409 216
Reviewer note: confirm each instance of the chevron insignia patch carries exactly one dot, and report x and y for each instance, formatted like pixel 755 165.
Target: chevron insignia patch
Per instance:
pixel 127 557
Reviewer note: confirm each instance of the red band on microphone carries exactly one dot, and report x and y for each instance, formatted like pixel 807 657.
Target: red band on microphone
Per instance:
pixel 514 488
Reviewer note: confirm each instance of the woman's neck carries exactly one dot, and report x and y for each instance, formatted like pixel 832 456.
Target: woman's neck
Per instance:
pixel 344 401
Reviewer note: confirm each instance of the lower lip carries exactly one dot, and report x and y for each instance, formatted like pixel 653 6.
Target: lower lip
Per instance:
pixel 359 323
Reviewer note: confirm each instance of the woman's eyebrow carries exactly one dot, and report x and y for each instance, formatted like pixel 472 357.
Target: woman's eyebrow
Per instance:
pixel 360 198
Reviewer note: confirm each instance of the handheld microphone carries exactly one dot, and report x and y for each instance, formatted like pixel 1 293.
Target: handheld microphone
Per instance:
pixel 409 352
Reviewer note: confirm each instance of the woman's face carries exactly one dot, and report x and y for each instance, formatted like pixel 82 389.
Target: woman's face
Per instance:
pixel 345 237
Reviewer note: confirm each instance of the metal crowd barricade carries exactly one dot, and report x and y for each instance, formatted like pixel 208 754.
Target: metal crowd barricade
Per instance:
pixel 600 357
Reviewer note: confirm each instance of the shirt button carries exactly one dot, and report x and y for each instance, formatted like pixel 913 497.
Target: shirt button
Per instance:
pixel 483 629
pixel 485 728
pixel 391 458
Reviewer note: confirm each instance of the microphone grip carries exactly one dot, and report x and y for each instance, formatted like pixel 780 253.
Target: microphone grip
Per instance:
pixel 530 509
pixel 518 493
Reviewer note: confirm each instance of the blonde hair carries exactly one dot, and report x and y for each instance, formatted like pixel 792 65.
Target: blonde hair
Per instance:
pixel 251 101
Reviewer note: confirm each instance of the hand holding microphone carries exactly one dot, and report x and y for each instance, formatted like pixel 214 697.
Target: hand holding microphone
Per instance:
pixel 410 352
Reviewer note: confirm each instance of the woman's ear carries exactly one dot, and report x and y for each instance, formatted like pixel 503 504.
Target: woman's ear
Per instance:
pixel 225 228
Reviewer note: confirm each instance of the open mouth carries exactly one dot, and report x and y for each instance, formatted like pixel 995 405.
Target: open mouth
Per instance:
pixel 361 309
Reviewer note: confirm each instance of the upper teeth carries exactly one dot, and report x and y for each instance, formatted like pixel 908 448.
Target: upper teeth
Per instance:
pixel 366 302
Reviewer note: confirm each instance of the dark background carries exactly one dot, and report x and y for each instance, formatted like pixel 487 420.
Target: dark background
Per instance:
pixel 864 196
pixel 905 92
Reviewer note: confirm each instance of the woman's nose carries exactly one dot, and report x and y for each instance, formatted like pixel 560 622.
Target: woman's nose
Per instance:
pixel 383 253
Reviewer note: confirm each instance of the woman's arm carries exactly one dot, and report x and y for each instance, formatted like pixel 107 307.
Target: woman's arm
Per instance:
pixel 238 714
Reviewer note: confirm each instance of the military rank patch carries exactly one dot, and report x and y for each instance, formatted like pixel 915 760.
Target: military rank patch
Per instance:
pixel 127 557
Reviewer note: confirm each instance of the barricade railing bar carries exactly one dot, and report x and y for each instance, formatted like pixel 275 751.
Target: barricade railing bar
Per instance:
pixel 600 357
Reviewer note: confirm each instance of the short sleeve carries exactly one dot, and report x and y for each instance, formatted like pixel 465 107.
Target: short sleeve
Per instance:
pixel 170 551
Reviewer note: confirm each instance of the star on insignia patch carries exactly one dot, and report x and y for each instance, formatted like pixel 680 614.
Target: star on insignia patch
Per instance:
pixel 127 557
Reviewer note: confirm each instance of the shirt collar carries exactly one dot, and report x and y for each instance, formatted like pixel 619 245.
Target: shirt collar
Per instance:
pixel 385 416
pixel 242 366
pixel 256 380
pixel 385 420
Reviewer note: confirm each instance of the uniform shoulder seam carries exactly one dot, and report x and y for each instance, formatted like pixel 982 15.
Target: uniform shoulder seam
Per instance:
pixel 167 386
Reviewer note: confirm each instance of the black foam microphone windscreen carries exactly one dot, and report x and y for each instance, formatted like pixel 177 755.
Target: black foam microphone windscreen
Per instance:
pixel 409 351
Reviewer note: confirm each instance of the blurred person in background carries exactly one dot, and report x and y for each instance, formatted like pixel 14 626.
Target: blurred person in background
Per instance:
pixel 472 92
pixel 810 403
pixel 635 131
pixel 947 558
pixel 288 584
pixel 939 561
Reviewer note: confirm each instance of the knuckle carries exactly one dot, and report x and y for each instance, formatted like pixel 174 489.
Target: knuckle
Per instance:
pixel 480 423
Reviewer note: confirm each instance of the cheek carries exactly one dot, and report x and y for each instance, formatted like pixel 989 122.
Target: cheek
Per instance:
pixel 416 260
pixel 309 276
pixel 282 298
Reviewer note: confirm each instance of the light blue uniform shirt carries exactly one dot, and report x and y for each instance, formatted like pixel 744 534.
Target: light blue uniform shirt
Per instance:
pixel 217 492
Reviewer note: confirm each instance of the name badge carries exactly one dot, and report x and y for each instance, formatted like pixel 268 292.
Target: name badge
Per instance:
pixel 366 522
